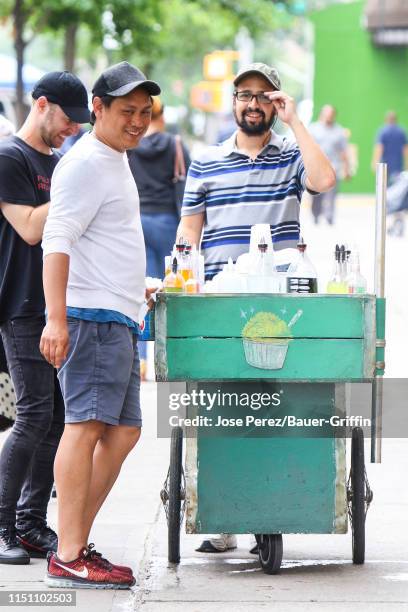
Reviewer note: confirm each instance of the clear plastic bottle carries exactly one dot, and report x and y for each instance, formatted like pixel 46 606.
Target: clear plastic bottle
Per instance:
pixel 173 281
pixel 191 286
pixel 168 262
pixel 195 267
pixel 190 272
pixel 264 265
pixel 343 265
pixel 185 262
pixel 228 280
pixel 355 280
pixel 348 259
pixel 197 264
pixel 337 283
pixel 301 276
pixel 178 252
pixel 262 277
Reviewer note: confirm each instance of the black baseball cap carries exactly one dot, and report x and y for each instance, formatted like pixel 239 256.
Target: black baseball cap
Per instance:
pixel 121 79
pixel 66 90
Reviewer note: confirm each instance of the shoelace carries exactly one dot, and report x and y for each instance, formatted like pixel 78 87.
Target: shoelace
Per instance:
pixel 9 537
pixel 91 553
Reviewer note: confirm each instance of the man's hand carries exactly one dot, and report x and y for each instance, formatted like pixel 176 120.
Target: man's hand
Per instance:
pixel 54 342
pixel 284 105
pixel 148 295
pixel 320 175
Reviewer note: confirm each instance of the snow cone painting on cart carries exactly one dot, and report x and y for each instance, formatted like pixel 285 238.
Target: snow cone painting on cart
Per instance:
pixel 266 338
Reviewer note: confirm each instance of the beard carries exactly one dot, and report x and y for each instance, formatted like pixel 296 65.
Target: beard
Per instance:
pixel 49 139
pixel 255 129
pixel 47 132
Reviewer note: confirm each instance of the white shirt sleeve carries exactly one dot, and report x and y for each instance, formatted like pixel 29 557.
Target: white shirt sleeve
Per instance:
pixel 75 200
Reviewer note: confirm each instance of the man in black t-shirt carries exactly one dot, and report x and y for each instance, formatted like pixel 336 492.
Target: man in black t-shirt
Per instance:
pixel 27 161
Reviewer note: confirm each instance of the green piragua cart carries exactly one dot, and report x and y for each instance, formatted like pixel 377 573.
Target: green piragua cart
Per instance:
pixel 301 349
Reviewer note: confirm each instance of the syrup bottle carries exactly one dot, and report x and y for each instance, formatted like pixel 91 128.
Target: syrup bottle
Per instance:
pixel 173 281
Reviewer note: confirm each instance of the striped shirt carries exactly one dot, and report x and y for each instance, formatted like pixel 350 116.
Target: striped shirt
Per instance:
pixel 235 192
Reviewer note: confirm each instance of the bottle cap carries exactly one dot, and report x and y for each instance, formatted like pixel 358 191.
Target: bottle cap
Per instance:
pixel 301 245
pixel 180 246
pixel 262 246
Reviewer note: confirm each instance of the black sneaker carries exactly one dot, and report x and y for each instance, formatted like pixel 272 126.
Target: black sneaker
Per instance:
pixel 38 541
pixel 11 550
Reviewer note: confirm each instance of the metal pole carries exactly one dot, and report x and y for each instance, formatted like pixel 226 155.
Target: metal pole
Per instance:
pixel 379 263
pixel 379 288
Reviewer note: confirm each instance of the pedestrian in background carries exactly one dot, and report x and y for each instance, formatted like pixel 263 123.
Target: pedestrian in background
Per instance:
pixel 331 137
pixel 391 147
pixel 27 162
pixel 155 165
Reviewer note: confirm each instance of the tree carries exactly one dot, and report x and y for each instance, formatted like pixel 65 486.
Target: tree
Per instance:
pixel 66 17
pixel 19 10
pixel 31 17
pixel 148 30
pixel 190 29
pixel 110 22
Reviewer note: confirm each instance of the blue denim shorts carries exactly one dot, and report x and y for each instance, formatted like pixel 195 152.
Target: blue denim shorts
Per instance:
pixel 100 379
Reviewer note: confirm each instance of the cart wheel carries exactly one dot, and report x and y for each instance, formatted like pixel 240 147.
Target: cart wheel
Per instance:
pixel 359 495
pixel 270 550
pixel 175 494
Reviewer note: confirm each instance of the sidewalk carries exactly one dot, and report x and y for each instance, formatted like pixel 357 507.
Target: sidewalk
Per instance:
pixel 317 573
pixel 124 526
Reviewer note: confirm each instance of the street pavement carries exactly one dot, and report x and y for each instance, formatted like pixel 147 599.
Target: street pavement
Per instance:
pixel 317 572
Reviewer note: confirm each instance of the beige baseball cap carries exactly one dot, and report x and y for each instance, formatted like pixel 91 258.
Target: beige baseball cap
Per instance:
pixel 269 73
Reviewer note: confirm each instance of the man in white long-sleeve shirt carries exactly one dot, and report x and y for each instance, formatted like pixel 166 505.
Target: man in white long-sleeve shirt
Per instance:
pixel 94 270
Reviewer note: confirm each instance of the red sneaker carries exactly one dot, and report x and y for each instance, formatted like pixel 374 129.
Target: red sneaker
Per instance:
pixel 93 554
pixel 85 572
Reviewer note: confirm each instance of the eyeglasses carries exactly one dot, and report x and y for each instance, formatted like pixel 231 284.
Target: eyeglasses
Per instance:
pixel 246 96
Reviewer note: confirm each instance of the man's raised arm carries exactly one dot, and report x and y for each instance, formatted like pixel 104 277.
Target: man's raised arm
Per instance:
pixel 319 171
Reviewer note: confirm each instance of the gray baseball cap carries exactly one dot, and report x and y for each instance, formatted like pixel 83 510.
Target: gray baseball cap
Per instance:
pixel 121 79
pixel 269 73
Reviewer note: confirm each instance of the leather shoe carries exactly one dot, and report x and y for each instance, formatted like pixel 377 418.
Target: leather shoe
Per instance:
pixel 11 551
pixel 38 541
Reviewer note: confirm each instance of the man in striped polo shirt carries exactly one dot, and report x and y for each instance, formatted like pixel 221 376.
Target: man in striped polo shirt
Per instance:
pixel 253 177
